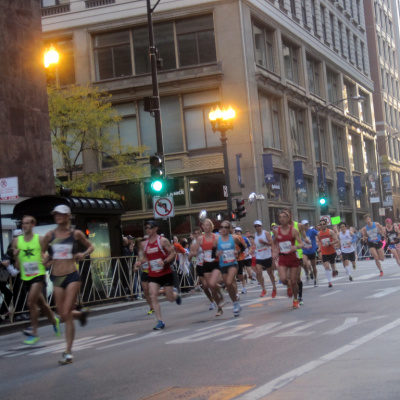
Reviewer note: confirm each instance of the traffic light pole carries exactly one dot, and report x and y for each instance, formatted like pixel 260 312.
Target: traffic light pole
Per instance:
pixel 224 139
pixel 154 79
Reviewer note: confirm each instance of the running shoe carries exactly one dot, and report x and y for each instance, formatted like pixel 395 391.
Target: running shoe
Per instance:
pixel 244 290
pixel 66 359
pixel 160 325
pixel 220 311
pixel 301 302
pixel 296 304
pixel 83 317
pixel 31 339
pixel 335 273
pixel 311 275
pixel 289 292
pixel 273 294
pixel 212 306
pixel 56 327
pixel 315 283
pixel 263 293
pixel 150 311
pixel 28 331
pixel 236 309
pixel 330 284
pixel 381 273
pixel 354 267
pixel 178 300
pixel 350 278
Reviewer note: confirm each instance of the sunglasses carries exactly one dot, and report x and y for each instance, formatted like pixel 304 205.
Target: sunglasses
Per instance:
pixel 256 226
pixel 148 227
pixel 225 226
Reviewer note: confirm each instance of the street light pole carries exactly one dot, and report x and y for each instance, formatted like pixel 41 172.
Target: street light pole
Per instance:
pixel 224 139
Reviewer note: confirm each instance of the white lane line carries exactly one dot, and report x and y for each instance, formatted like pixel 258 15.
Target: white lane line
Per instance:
pixel 330 293
pixel 299 331
pixel 383 293
pixel 365 277
pixel 96 342
pixel 283 380
pixel 269 328
pixel 348 323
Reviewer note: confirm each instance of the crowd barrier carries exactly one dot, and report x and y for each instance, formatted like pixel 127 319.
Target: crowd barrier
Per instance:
pixel 109 280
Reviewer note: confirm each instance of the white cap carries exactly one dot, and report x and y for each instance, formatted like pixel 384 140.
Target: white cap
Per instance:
pixel 17 232
pixel 304 222
pixel 61 209
pixel 257 222
pixel 238 228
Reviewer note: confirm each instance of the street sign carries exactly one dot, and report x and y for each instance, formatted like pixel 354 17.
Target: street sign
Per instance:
pixel 163 207
pixel 9 188
pixel 225 190
pixel 382 211
pixel 328 218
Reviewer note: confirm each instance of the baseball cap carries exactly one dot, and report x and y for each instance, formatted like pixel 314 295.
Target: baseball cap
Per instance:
pixel 238 228
pixel 17 232
pixel 304 222
pixel 151 223
pixel 61 209
pixel 257 222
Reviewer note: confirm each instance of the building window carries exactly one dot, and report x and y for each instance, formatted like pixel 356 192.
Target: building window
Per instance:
pixel 322 137
pixel 264 47
pixel 290 58
pixel 199 134
pixel 196 43
pixel 323 22
pixel 297 130
pixel 351 9
pixel 357 152
pixel 340 28
pixel 313 73
pixel 270 122
pixel 131 195
pixel 304 12
pixel 314 17
pixel 348 44
pixel 363 57
pixel 349 92
pixel 340 145
pixel 208 188
pixel 370 155
pixel 112 55
pixel 333 86
pixel 355 39
pixel 293 8
pixel 365 107
pixel 278 191
pixel 304 195
pixel 332 21
pixel 64 71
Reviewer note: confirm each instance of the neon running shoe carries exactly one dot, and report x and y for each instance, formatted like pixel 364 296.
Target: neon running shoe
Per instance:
pixel 381 273
pixel 150 311
pixel 296 304
pixel 83 317
pixel 160 325
pixel 56 327
pixel 330 284
pixel 31 340
pixel 263 293
pixel 289 292
pixel 66 359
pixel 273 294
pixel 301 302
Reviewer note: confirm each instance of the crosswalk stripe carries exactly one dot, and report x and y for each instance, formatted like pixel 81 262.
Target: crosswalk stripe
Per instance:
pixel 299 331
pixel 270 327
pixel 383 292
pixel 330 293
pixel 365 277
pixel 348 323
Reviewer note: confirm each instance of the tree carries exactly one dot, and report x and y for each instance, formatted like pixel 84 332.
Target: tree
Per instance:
pixel 81 122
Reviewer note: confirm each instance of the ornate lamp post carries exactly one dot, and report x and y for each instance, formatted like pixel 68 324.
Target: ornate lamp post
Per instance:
pixel 221 121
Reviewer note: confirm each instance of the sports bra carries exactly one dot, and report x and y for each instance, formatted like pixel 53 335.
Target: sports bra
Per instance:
pixel 63 248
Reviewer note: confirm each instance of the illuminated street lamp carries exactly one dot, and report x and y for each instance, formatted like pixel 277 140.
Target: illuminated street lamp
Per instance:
pixel 51 57
pixel 221 121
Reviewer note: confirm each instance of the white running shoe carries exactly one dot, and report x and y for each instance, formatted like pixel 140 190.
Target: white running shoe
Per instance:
pixel 236 309
pixel 244 290
pixel 212 306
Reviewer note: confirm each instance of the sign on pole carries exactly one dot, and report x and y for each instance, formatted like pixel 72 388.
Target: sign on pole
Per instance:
pixel 163 207
pixel 225 188
pixel 9 188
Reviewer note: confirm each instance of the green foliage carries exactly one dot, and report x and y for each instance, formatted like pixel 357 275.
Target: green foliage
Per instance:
pixel 82 121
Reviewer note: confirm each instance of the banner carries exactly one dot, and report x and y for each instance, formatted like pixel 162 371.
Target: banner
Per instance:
pixel 372 183
pixel 357 187
pixel 387 189
pixel 341 186
pixel 268 169
pixel 301 189
pixel 321 180
pixel 276 186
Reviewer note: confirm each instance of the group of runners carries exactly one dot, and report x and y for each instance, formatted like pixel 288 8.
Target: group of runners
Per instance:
pixel 222 258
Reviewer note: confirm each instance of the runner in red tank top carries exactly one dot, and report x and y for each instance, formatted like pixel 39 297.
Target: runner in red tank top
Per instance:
pixel 159 253
pixel 288 263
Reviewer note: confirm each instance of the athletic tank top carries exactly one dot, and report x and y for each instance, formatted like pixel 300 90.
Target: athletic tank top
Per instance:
pixel 207 247
pixel 154 252
pixel 285 241
pixel 241 254
pixel 30 258
pixel 346 241
pixel 326 242
pixel 227 258
pixel 62 248
pixel 372 232
pixel 392 236
pixel 298 251
pixel 263 251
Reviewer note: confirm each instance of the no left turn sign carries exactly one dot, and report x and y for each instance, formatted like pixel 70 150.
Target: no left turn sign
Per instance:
pixel 163 207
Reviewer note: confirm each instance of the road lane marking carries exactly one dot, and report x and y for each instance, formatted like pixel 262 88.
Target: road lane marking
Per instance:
pixel 383 292
pixel 299 331
pixel 330 293
pixel 348 323
pixel 269 328
pixel 281 381
pixel 365 277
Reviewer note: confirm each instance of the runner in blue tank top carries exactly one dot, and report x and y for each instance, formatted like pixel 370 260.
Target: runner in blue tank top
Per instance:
pixel 372 235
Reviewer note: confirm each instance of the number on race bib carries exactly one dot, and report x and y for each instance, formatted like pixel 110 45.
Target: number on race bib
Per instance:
pixel 31 268
pixel 155 266
pixel 228 256
pixel 285 247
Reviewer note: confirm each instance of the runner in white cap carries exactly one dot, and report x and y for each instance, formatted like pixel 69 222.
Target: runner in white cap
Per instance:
pixel 263 242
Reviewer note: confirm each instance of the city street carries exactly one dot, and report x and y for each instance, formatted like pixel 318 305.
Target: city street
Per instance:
pixel 341 344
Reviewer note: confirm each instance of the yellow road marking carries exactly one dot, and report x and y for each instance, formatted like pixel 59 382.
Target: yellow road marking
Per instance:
pixel 256 305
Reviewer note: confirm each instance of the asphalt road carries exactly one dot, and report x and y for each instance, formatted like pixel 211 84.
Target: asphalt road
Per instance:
pixel 343 343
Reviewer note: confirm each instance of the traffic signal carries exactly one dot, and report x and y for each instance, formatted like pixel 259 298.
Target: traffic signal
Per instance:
pixel 157 174
pixel 323 203
pixel 240 209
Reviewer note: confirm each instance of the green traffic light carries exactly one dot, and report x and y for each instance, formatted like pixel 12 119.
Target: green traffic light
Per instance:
pixel 157 185
pixel 322 201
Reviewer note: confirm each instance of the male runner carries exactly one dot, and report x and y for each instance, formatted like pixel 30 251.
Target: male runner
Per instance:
pixel 310 249
pixel 392 235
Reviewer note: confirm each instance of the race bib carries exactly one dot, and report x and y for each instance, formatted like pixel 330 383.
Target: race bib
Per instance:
pixel 31 268
pixel 200 258
pixel 259 250
pixel 208 256
pixel 155 266
pixel 145 266
pixel 347 244
pixel 228 257
pixel 62 251
pixel 326 242
pixel 285 247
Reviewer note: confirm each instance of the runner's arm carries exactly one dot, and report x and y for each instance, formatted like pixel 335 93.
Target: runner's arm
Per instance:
pixel 166 245
pixel 297 236
pixel 79 235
